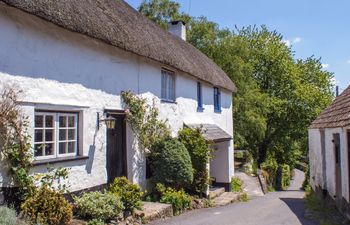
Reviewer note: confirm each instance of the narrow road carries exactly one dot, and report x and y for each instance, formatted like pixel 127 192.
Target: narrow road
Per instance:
pixel 277 208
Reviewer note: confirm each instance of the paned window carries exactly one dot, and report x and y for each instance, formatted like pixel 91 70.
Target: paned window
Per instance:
pixel 168 86
pixel 55 135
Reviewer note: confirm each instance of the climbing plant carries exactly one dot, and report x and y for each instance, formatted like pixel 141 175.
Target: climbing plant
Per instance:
pixel 15 147
pixel 144 121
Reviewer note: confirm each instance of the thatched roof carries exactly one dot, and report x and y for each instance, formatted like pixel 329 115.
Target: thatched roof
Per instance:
pixel 336 115
pixel 118 24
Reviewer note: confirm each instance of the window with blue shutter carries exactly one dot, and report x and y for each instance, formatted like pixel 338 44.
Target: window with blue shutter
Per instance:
pixel 217 100
pixel 199 97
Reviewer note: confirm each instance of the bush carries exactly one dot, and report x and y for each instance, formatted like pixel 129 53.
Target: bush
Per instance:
pixel 47 206
pixel 96 222
pixel 236 184
pixel 244 197
pixel 178 199
pixel 98 205
pixel 130 194
pixel 200 153
pixel 171 163
pixel 270 166
pixel 9 217
pixel 284 176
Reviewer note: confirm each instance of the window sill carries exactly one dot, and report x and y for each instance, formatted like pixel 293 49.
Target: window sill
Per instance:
pixel 168 101
pixel 200 109
pixel 58 160
pixel 217 111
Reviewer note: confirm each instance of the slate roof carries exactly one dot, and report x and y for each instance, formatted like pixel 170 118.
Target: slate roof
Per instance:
pixel 116 23
pixel 336 115
pixel 212 132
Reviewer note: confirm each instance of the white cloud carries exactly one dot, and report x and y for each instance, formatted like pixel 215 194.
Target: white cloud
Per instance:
pixel 348 61
pixel 334 81
pixel 296 40
pixel 325 66
pixel 286 42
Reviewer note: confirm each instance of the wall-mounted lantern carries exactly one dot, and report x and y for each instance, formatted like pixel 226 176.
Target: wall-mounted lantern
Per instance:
pixel 109 121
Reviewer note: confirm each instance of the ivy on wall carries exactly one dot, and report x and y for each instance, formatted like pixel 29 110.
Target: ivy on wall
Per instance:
pixel 144 121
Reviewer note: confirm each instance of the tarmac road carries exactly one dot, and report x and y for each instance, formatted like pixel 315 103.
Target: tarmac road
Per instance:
pixel 277 208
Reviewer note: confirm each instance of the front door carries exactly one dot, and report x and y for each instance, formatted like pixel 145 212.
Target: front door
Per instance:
pixel 116 148
pixel 337 147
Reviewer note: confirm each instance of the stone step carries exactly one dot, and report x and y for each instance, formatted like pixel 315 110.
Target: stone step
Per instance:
pixel 226 198
pixel 215 192
pixel 154 210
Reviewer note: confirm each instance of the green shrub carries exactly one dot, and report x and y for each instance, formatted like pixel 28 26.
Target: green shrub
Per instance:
pixel 9 217
pixel 98 205
pixel 96 222
pixel 171 163
pixel 178 199
pixel 284 176
pixel 47 206
pixel 243 197
pixel 130 194
pixel 200 153
pixel 236 184
pixel 270 166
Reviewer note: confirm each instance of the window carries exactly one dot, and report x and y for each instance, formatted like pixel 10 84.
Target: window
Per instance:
pixel 217 100
pixel 199 96
pixel 55 135
pixel 168 86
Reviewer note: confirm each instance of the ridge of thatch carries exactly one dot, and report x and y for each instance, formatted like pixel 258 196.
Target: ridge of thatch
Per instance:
pixel 116 23
pixel 336 115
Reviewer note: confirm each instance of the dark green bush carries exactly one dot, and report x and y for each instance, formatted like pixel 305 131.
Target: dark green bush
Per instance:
pixel 178 199
pixel 283 177
pixel 270 166
pixel 200 152
pixel 98 205
pixel 130 194
pixel 47 206
pixel 171 163
pixel 236 184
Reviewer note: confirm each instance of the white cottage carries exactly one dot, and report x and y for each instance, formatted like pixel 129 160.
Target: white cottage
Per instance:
pixel 329 152
pixel 72 59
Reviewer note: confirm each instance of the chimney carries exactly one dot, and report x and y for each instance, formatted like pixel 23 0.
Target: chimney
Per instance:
pixel 177 28
pixel 336 91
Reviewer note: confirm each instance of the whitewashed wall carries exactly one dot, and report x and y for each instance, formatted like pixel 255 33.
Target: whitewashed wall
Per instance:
pixel 61 70
pixel 315 157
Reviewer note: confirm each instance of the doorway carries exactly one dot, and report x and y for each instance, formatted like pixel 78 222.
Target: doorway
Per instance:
pixel 337 149
pixel 116 147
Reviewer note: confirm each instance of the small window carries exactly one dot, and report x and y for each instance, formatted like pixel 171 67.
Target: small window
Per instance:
pixel 168 86
pixel 217 100
pixel 55 135
pixel 199 96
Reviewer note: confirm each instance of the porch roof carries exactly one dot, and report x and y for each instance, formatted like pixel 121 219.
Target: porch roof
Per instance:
pixel 212 132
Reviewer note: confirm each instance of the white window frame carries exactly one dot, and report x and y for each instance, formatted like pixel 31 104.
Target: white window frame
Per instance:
pixel 56 128
pixel 168 94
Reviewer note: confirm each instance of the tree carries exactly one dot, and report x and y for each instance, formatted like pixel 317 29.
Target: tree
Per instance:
pixel 162 11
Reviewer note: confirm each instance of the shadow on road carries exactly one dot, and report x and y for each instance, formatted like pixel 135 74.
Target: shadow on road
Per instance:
pixel 297 206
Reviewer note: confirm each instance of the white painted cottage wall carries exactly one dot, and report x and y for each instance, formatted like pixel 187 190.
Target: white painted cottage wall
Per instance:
pixel 62 70
pixel 315 157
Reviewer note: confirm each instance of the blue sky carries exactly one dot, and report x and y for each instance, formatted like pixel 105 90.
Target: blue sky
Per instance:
pixel 313 27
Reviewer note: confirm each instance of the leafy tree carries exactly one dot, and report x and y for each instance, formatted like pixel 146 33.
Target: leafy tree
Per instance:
pixel 162 11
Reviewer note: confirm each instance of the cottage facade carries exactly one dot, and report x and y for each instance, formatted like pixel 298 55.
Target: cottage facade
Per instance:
pixel 72 60
pixel 329 152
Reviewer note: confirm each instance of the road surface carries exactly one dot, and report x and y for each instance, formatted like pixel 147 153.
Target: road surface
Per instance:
pixel 277 208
